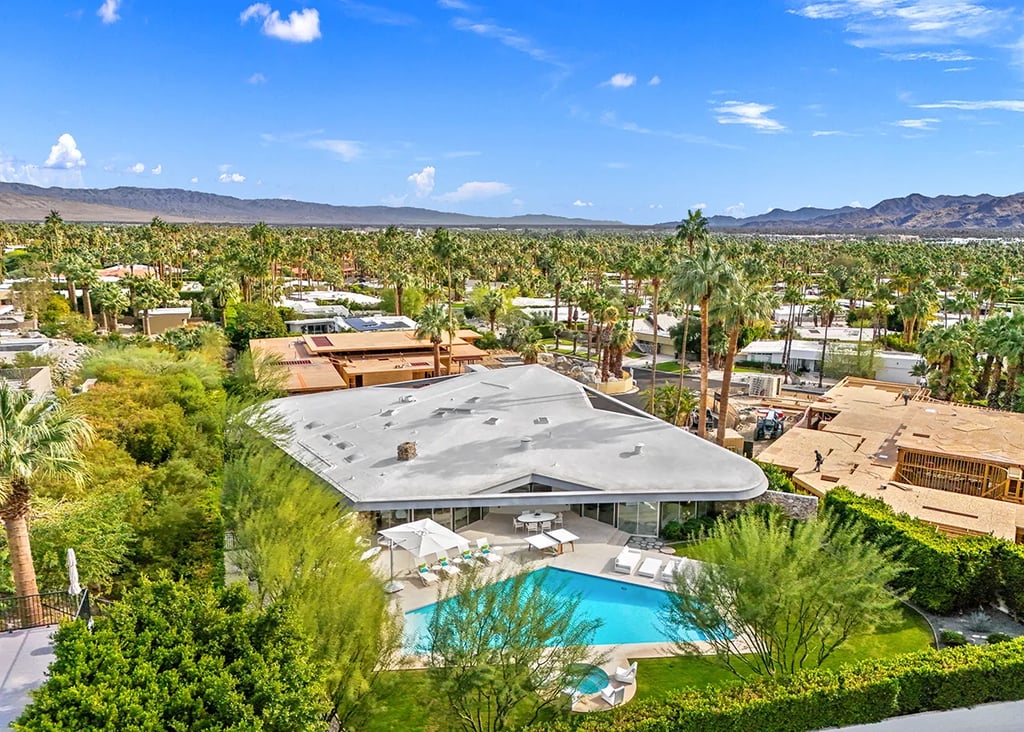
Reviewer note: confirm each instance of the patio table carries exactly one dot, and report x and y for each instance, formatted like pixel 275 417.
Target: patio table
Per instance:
pixel 563 536
pixel 541 542
pixel 535 517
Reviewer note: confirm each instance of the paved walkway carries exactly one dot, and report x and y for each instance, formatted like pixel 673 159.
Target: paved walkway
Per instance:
pixel 24 657
pixel 1002 717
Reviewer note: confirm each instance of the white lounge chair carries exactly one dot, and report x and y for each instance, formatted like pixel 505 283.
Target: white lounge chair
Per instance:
pixel 627 560
pixel 426 576
pixel 626 675
pixel 669 573
pixel 650 568
pixel 614 695
pixel 449 569
pixel 486 553
pixel 574 696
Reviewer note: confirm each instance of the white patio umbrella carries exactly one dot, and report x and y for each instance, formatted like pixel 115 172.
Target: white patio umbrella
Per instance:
pixel 420 538
pixel 73 587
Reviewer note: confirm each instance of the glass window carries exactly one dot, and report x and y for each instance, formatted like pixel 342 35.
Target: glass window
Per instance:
pixel 676 511
pixel 640 518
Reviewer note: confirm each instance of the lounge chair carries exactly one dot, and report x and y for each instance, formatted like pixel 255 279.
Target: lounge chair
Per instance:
pixel 449 569
pixel 669 573
pixel 627 560
pixel 626 675
pixel 486 554
pixel 574 696
pixel 467 555
pixel 426 576
pixel 614 695
pixel 650 568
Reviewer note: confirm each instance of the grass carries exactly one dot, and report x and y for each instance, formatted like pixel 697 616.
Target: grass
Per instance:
pixel 671 367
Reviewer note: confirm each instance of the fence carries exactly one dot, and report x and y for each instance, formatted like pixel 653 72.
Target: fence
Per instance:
pixel 31 611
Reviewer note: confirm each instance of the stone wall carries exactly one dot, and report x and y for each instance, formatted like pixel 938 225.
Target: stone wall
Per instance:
pixel 795 505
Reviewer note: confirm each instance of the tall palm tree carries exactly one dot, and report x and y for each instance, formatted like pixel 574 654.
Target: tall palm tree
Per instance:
pixel 655 267
pixel 620 340
pixel 111 300
pixel 432 323
pixel 448 251
pixel 692 229
pixel 704 273
pixel 741 305
pixel 40 438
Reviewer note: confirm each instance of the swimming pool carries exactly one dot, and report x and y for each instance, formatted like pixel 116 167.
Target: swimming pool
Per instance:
pixel 628 613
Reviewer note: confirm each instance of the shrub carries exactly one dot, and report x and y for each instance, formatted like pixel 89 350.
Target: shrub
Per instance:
pixel 487 341
pixel 952 638
pixel 777 479
pixel 672 531
pixel 994 638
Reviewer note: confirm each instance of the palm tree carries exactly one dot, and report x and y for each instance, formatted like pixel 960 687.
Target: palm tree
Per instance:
pixel 655 267
pixel 111 299
pixel 620 340
pixel 951 352
pixel 704 273
pixel 530 345
pixel 494 304
pixel 741 305
pixel 432 324
pixel 220 288
pixel 692 229
pixel 40 438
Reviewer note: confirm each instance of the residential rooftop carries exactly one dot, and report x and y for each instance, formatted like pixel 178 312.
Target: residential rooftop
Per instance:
pixel 483 435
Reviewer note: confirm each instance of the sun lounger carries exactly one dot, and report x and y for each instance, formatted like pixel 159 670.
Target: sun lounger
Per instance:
pixel 650 568
pixel 487 554
pixel 426 576
pixel 449 569
pixel 613 695
pixel 626 675
pixel 669 573
pixel 627 560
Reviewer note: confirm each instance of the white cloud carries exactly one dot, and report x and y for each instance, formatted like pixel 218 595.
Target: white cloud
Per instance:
pixel 855 204
pixel 655 205
pixel 1005 105
pixel 940 56
pixel 138 169
pixel 424 181
pixel 347 150
pixel 924 123
pixel 620 80
pixel 956 69
pixel 582 204
pixel 231 178
pixel 453 5
pixel 65 154
pixel 18 171
pixel 108 11
pixel 889 23
pixel 193 179
pixel 736 210
pixel 518 202
pixel 834 133
pixel 750 114
pixel 507 37
pixel 698 207
pixel 655 80
pixel 256 78
pixel 474 190
pixel 302 26
pixel 157 170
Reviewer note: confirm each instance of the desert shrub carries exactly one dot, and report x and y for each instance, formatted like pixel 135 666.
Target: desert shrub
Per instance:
pixel 952 638
pixel 994 638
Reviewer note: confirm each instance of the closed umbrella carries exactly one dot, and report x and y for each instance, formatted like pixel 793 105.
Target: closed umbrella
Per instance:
pixel 420 538
pixel 73 587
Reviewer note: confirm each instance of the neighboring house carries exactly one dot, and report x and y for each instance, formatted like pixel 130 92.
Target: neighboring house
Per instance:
pixel 317 326
pixel 165 319
pixel 955 466
pixel 643 331
pixel 10 347
pixel 366 358
pixel 36 379
pixel 455 449
pixel 892 366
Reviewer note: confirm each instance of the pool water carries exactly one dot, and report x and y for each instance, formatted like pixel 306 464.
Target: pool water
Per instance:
pixel 592 678
pixel 628 613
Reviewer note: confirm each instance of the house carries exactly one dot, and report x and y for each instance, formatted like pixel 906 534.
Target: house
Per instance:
pixel 455 449
pixel 316 326
pixel 365 358
pixel 36 379
pixel 955 466
pixel 643 331
pixel 805 355
pixel 165 319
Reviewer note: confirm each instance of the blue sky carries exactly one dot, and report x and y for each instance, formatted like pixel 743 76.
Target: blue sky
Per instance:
pixel 608 110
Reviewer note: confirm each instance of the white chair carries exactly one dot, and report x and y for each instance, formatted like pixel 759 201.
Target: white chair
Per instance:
pixel 626 675
pixel 558 519
pixel 545 525
pixel 485 553
pixel 516 525
pixel 650 568
pixel 574 696
pixel 669 573
pixel 613 695
pixel 532 527
pixel 447 568
pixel 426 576
pixel 627 560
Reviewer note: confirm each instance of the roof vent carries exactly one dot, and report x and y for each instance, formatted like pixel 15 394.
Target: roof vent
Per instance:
pixel 313 425
pixel 524 443
pixel 473 400
pixel 407 398
pixel 390 423
pixel 492 420
pixel 638 448
pixel 388 412
pixel 541 420
pixel 351 458
pixel 343 445
pixel 406 451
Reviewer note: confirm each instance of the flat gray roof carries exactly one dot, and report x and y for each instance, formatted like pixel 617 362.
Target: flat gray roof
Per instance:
pixel 482 434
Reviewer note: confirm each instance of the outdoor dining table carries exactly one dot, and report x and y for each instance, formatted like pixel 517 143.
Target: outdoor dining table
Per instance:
pixel 542 542
pixel 535 517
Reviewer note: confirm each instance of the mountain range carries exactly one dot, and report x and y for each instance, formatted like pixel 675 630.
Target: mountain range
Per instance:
pixel 125 204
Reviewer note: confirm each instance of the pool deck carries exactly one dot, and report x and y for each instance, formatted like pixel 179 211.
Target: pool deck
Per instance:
pixel 594 554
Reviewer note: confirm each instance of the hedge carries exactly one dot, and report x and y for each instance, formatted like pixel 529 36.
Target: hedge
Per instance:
pixel 943 574
pixel 864 693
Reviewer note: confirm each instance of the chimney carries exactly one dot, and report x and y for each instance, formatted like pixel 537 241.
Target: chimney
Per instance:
pixel 406 451
pixel 638 448
pixel 524 443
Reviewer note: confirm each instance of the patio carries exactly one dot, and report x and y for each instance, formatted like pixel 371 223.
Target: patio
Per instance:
pixel 594 553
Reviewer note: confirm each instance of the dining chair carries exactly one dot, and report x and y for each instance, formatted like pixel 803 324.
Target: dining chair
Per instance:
pixel 545 525
pixel 533 527
pixel 558 519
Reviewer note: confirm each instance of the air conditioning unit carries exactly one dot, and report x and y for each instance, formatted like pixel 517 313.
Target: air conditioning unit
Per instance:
pixel 765 385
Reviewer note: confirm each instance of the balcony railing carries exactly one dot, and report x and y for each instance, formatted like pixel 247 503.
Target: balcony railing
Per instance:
pixel 32 611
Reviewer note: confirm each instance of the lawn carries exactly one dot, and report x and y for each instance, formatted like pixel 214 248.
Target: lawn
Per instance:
pixel 670 367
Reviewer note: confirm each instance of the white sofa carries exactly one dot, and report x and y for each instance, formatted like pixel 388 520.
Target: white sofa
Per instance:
pixel 627 560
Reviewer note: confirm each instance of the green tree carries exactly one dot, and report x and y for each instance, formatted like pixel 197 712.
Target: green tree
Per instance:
pixel 174 657
pixel 254 320
pixel 432 324
pixel 501 652
pixel 670 405
pixel 773 596
pixel 40 438
pixel 111 300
